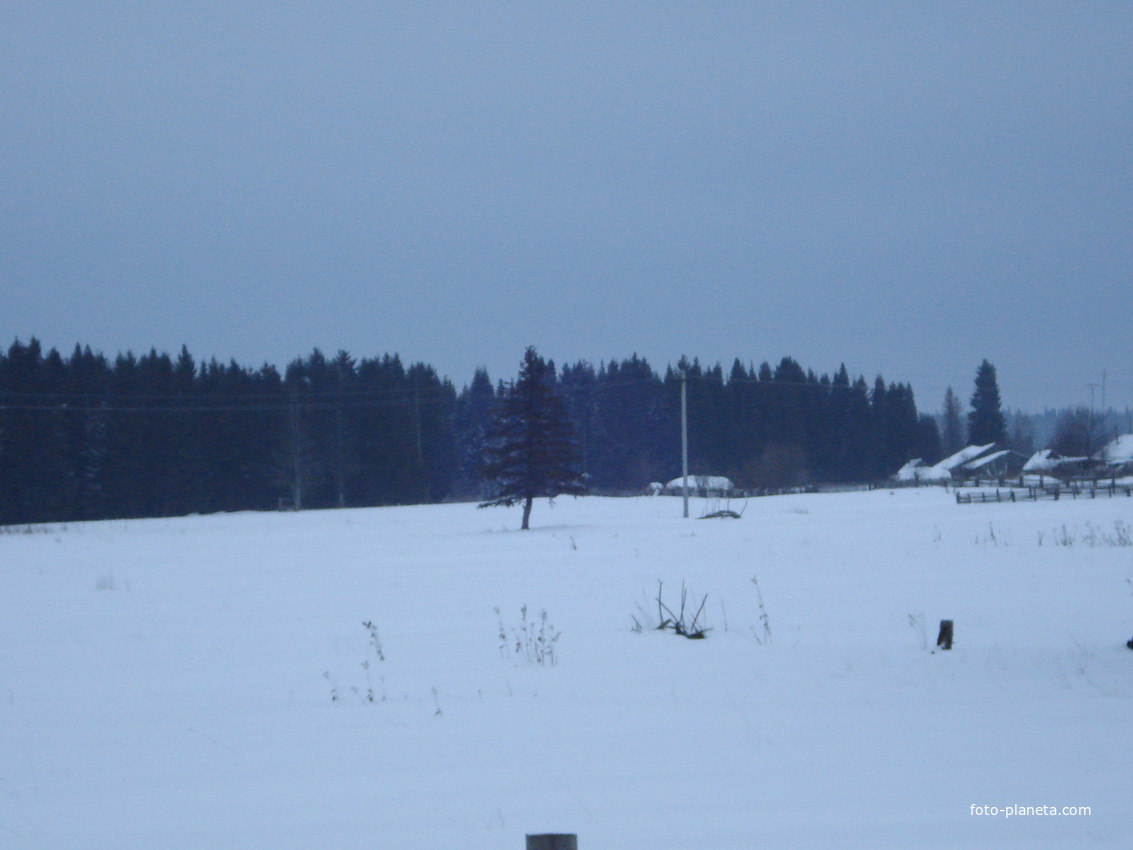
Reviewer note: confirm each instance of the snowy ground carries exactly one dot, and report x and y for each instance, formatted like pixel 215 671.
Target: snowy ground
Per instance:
pixel 170 683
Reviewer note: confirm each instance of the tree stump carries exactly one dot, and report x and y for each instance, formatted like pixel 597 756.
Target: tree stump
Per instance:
pixel 944 639
pixel 552 841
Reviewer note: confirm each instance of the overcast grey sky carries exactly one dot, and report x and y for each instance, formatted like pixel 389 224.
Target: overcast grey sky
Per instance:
pixel 904 187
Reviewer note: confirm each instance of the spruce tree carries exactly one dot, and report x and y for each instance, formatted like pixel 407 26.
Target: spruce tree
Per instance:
pixel 531 450
pixel 952 440
pixel 986 423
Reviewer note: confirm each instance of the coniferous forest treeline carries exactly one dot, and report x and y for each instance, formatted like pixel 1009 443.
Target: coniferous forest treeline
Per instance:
pixel 85 437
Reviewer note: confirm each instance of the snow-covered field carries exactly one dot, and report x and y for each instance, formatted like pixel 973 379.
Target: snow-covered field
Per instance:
pixel 172 683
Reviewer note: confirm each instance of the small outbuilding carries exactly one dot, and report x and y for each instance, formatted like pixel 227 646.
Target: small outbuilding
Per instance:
pixel 918 471
pixel 702 485
pixel 946 470
pixel 1048 463
pixel 1005 463
pixel 1118 456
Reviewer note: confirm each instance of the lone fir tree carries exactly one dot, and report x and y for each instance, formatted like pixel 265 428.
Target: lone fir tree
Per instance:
pixel 986 423
pixel 531 450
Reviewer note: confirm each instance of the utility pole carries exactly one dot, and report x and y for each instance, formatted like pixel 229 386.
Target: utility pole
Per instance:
pixel 684 434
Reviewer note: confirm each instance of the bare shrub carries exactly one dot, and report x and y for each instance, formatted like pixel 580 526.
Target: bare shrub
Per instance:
pixel 530 642
pixel 679 620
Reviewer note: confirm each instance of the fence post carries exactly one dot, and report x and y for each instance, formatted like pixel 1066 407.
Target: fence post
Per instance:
pixel 552 841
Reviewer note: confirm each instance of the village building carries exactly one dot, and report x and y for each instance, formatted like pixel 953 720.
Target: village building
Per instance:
pixel 701 485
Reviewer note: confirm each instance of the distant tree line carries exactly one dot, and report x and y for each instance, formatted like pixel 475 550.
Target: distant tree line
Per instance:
pixel 86 437
pixel 764 428
pixel 83 437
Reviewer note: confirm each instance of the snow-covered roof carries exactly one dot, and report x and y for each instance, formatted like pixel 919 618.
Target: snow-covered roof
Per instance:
pixel 1120 450
pixel 966 454
pixel 908 472
pixel 916 470
pixel 933 473
pixel 1048 460
pixel 943 470
pixel 702 482
pixel 1041 461
pixel 983 460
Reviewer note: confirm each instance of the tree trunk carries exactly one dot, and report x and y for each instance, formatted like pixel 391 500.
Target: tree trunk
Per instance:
pixel 527 512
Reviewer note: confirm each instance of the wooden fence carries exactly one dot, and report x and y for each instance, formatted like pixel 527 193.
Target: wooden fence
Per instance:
pixel 1052 491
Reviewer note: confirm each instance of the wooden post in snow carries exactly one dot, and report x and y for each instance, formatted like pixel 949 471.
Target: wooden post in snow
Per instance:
pixel 552 842
pixel 944 639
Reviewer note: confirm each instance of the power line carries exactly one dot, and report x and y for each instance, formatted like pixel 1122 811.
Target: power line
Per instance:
pixel 280 406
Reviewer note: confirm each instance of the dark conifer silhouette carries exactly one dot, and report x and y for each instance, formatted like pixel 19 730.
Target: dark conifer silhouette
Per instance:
pixel 952 440
pixel 986 423
pixel 531 450
pixel 472 414
pixel 91 437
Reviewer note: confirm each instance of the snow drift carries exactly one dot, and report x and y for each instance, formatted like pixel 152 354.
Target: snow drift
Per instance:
pixel 209 682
